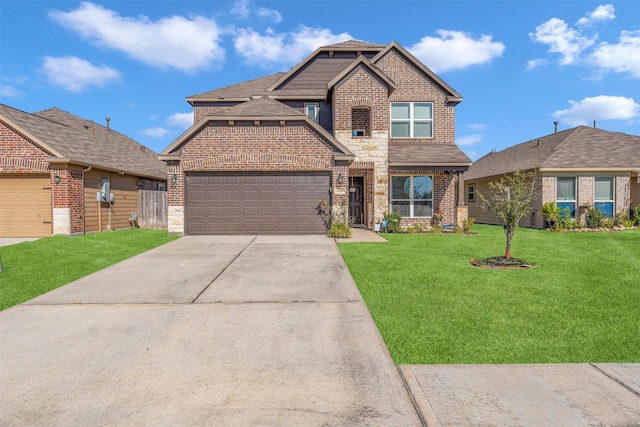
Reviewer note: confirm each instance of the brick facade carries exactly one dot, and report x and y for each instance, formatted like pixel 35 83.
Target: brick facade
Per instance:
pixel 360 100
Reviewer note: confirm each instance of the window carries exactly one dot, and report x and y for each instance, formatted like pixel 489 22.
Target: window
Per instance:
pixel 603 195
pixel 360 122
pixel 411 120
pixel 412 196
pixel 471 192
pixel 566 194
pixel 313 111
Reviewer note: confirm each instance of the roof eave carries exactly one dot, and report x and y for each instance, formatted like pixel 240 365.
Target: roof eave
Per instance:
pixel 423 164
pixel 67 161
pixel 31 137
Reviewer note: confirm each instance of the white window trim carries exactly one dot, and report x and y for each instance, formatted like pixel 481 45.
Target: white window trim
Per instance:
pixel 411 199
pixel 575 194
pixel 315 118
pixel 411 119
pixel 613 193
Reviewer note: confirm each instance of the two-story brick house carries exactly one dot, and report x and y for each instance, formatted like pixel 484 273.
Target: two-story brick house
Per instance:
pixel 367 126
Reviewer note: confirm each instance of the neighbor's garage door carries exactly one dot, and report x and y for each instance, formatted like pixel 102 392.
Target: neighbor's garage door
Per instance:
pixel 25 206
pixel 255 204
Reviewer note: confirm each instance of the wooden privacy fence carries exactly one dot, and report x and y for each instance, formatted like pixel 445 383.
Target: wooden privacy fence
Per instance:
pixel 152 209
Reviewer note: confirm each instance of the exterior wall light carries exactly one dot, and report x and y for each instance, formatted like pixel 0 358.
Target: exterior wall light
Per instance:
pixel 340 179
pixel 174 180
pixel 57 179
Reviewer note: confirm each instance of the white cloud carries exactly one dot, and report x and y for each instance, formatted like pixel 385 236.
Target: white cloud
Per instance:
pixel 182 120
pixel 602 13
pixel 10 91
pixel 453 50
pixel 472 154
pixel 274 15
pixel 535 63
pixel 155 132
pixel 177 42
pixel 241 8
pixel 622 57
pixel 599 108
pixel 76 74
pixel 283 49
pixel 480 126
pixel 468 140
pixel 561 39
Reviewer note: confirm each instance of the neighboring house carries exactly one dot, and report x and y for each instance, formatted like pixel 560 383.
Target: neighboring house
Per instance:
pixel 366 126
pixel 577 168
pixel 53 163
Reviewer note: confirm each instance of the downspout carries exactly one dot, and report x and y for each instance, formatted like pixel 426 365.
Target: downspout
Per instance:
pixel 84 202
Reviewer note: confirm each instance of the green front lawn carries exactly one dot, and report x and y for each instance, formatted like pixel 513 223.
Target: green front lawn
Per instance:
pixel 582 304
pixel 33 268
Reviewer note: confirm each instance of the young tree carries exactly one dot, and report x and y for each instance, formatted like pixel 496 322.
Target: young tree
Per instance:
pixel 510 199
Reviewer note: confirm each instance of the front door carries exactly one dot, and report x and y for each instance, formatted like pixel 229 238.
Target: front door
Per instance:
pixel 356 200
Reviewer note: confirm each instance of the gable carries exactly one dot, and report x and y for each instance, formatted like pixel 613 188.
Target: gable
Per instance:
pixel 410 74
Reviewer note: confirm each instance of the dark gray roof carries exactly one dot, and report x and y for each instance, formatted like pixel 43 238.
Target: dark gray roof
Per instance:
pixel 242 90
pixel 426 154
pixel 260 107
pixel 576 148
pixel 66 136
pixel 354 44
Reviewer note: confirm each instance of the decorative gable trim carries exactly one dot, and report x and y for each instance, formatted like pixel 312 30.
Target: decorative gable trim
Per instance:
pixel 453 97
pixel 364 62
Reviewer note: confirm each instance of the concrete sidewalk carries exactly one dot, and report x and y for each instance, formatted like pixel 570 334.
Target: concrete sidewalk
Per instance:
pixel 229 331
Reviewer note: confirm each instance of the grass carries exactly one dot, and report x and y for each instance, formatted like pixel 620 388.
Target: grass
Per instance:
pixel 33 268
pixel 581 304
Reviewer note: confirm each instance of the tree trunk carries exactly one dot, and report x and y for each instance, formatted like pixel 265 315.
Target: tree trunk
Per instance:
pixel 507 252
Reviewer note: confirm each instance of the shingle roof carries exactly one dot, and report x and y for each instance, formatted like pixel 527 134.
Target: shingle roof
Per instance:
pixel 354 44
pixel 579 147
pixel 242 90
pixel 407 154
pixel 64 135
pixel 259 108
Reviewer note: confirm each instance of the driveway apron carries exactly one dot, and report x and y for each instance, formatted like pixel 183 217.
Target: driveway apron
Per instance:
pixel 205 330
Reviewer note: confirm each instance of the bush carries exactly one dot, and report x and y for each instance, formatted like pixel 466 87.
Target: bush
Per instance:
pixel 635 216
pixel 467 224
pixel 551 214
pixel 393 222
pixel 339 230
pixel 595 218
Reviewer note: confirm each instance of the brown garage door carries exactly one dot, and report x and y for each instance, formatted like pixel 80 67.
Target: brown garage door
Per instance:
pixel 25 206
pixel 255 204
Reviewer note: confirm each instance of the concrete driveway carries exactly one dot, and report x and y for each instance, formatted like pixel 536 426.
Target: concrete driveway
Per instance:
pixel 229 331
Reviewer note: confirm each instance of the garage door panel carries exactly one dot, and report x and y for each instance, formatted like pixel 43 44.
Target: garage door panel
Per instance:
pixel 276 203
pixel 25 206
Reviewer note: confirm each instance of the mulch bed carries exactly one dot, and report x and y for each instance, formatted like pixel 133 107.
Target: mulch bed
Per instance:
pixel 502 263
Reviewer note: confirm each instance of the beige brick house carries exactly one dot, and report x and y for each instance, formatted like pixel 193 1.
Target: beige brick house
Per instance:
pixel 366 126
pixel 576 168
pixel 53 164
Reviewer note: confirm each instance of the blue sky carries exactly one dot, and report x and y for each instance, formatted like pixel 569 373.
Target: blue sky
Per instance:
pixel 519 65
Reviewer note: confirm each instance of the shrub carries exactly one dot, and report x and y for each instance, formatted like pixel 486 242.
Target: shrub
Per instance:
pixel 608 222
pixel 550 213
pixel 595 217
pixel 621 218
pixel 339 230
pixel 635 216
pixel 393 222
pixel 467 224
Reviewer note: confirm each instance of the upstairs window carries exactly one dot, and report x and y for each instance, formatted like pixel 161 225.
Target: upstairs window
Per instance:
pixel 312 111
pixel 411 120
pixel 604 195
pixel 360 122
